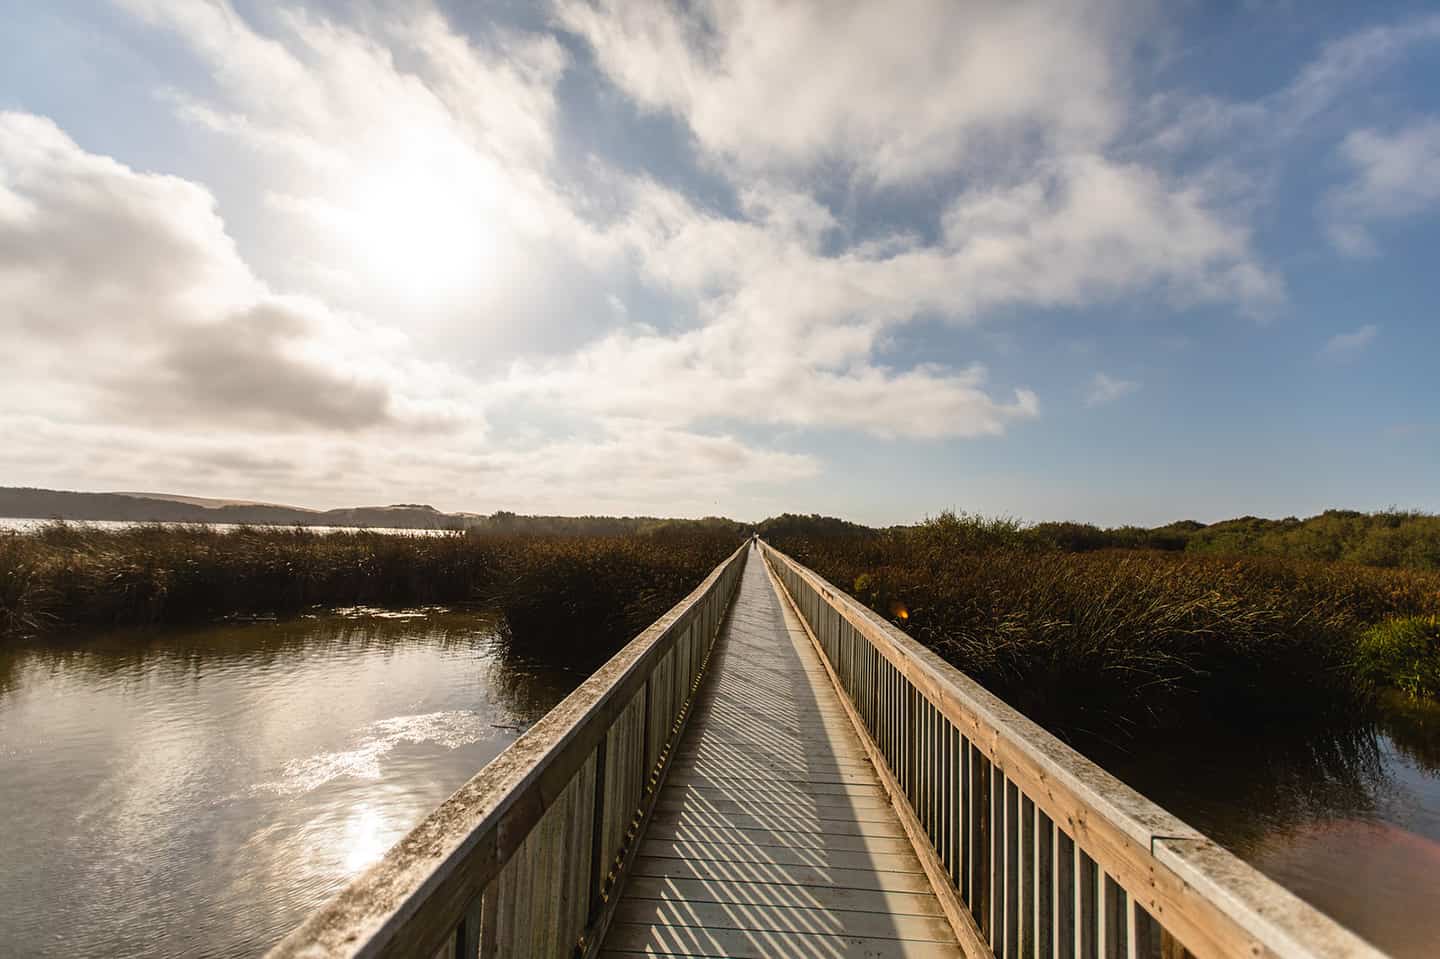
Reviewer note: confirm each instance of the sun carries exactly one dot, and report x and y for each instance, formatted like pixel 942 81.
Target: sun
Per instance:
pixel 421 222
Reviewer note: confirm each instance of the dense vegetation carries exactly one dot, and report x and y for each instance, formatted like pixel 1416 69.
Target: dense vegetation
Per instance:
pixel 1403 652
pixel 1084 629
pixel 1108 640
pixel 559 586
pixel 1392 538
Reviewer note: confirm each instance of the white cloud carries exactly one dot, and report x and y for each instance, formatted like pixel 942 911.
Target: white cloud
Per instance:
pixel 1024 100
pixel 1347 62
pixel 1242 150
pixel 419 226
pixel 1091 229
pixel 744 279
pixel 1179 119
pixel 1107 389
pixel 1348 344
pixel 1394 176
pixel 405 165
pixel 896 90
pixel 126 287
pixel 141 350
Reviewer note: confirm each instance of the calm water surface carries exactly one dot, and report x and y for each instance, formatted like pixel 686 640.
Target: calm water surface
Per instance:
pixel 197 792
pixel 182 793
pixel 1347 818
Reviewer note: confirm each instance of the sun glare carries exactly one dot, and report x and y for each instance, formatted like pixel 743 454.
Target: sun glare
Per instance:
pixel 366 838
pixel 422 226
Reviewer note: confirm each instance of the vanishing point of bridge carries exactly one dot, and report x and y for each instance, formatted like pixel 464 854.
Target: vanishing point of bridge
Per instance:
pixel 772 770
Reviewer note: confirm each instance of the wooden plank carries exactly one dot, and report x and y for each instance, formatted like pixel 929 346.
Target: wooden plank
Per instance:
pixel 818 758
pixel 660 940
pixel 787 794
pixel 811 840
pixel 712 915
pixel 723 771
pixel 858 798
pixel 698 819
pixel 842 811
pixel 885 901
pixel 698 778
pixel 780 875
pixel 746 752
pixel 767 839
pixel 719 756
pixel 902 860
pixel 793 750
pixel 773 724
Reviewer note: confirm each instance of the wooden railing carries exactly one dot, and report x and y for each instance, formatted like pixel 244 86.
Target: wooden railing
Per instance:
pixel 1034 850
pixel 524 859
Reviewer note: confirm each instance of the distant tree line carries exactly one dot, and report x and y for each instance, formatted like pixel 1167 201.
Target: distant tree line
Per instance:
pixel 1390 538
pixel 506 522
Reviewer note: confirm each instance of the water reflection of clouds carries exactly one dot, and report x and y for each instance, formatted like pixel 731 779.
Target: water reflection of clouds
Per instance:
pixel 449 730
pixel 129 762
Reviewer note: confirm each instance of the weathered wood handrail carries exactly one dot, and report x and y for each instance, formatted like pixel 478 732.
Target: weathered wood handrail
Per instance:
pixel 523 860
pixel 1034 850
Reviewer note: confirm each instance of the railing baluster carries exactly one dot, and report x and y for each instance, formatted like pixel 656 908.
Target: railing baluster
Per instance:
pixel 1132 929
pixel 1090 921
pixel 982 863
pixel 467 935
pixel 997 861
pixel 598 865
pixel 967 829
pixel 1057 903
pixel 1029 886
pixel 1013 882
pixel 951 818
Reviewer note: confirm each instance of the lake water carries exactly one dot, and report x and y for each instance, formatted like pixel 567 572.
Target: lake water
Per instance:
pixel 1348 817
pixel 192 792
pixel 198 791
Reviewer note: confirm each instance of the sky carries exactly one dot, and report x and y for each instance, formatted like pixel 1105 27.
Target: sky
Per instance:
pixel 1122 262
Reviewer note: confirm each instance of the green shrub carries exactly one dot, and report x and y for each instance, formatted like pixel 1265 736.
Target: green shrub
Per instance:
pixel 1403 653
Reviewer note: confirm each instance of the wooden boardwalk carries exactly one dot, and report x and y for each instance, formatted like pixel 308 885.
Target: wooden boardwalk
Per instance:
pixel 772 835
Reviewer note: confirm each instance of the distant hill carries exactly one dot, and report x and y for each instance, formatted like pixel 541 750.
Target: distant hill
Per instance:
pixel 210 500
pixel 25 503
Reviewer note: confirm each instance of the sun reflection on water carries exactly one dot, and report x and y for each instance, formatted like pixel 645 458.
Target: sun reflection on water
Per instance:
pixel 366 837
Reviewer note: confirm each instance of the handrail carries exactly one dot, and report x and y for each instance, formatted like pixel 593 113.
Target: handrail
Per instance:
pixel 1035 850
pixel 525 859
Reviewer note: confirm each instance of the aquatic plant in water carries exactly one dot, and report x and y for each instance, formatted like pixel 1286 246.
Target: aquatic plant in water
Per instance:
pixel 1403 653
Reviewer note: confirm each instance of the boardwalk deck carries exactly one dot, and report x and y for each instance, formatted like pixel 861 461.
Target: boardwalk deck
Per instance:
pixel 772 835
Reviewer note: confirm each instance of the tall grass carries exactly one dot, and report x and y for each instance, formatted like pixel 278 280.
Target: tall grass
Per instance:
pixel 1403 653
pixel 76 576
pixel 1108 642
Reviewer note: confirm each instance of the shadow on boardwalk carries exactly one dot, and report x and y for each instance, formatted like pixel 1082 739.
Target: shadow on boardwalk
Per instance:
pixel 772 835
